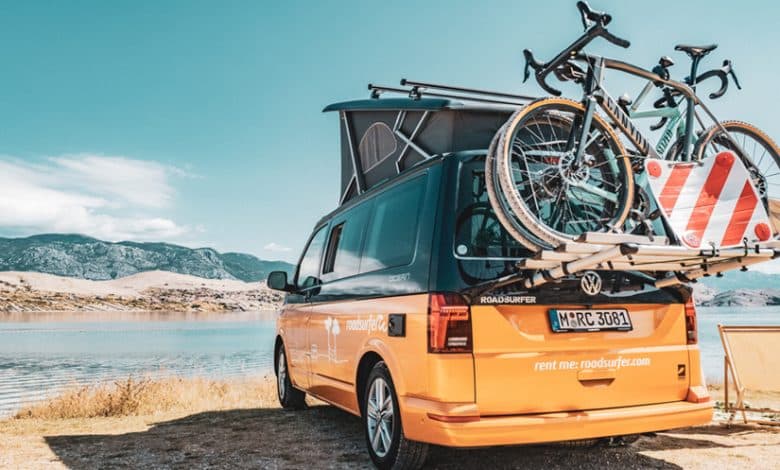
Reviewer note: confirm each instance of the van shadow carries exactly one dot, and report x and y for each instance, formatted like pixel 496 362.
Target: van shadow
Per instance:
pixel 325 437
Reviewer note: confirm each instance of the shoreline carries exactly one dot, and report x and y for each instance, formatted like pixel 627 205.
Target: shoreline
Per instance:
pixel 22 292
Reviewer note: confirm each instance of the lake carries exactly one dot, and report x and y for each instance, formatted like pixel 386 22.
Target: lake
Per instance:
pixel 42 353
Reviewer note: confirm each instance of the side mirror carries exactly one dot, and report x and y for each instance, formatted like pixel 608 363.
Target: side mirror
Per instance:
pixel 277 280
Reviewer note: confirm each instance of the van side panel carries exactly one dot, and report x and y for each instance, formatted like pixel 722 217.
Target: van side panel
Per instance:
pixel 523 367
pixel 363 328
pixel 293 328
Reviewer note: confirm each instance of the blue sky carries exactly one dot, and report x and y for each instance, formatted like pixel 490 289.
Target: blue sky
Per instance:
pixel 199 122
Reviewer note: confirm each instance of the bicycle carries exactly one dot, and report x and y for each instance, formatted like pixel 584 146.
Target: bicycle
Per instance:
pixel 667 108
pixel 559 185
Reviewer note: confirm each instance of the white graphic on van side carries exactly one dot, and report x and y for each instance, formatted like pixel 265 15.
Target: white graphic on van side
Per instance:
pixel 333 328
pixel 371 324
pixel 601 363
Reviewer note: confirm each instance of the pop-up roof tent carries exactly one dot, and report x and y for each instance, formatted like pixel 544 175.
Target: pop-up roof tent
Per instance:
pixel 382 137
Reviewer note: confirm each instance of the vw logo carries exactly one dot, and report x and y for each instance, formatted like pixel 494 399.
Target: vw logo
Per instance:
pixel 590 283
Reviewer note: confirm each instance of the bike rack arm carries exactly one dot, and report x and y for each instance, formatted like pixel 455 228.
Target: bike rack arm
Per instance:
pixel 616 252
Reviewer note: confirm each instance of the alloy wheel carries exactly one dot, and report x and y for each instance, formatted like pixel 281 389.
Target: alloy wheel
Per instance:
pixel 281 375
pixel 379 412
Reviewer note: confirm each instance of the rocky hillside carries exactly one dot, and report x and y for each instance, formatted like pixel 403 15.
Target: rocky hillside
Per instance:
pixel 736 288
pixel 744 298
pixel 151 291
pixel 88 258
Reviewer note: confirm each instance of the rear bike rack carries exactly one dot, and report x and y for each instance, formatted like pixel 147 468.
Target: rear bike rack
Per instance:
pixel 618 252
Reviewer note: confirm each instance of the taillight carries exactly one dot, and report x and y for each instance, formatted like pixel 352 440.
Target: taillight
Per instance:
pixel 690 321
pixel 449 324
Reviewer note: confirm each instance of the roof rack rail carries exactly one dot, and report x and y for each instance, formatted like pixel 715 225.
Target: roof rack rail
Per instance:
pixel 417 90
pixel 458 89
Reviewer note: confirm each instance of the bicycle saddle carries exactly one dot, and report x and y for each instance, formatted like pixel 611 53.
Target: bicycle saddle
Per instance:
pixel 695 51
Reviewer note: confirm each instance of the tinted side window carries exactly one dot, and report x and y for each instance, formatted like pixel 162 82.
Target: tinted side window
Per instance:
pixel 309 270
pixel 346 242
pixel 392 233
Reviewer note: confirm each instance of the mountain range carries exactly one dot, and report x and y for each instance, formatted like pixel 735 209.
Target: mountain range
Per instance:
pixel 84 257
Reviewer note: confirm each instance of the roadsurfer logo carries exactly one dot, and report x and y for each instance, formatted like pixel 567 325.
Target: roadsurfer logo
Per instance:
pixel 370 324
pixel 507 299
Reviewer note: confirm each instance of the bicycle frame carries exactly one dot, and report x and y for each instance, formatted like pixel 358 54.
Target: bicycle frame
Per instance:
pixel 673 127
pixel 595 95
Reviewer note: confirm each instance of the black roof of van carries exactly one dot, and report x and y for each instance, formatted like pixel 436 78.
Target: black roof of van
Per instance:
pixel 409 104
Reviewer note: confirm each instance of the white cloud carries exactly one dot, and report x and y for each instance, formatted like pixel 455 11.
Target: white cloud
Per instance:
pixel 276 248
pixel 139 182
pixel 113 198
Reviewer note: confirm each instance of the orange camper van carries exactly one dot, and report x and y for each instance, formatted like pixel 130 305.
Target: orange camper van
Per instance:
pixel 391 316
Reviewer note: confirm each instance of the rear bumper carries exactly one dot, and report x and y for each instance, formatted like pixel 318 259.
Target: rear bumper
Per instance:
pixel 546 427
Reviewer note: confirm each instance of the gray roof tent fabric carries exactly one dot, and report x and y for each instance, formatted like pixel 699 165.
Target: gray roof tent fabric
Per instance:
pixel 376 132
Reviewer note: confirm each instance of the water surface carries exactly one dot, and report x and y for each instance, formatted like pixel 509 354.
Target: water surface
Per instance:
pixel 42 353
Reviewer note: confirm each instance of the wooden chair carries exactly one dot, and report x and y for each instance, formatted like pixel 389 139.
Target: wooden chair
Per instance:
pixel 750 363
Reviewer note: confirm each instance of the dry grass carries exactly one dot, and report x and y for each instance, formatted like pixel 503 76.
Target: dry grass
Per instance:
pixel 148 397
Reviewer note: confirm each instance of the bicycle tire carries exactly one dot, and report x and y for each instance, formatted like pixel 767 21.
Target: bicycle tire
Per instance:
pixel 498 202
pixel 710 136
pixel 624 181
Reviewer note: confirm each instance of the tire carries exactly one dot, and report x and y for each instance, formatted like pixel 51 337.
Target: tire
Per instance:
pixel 498 202
pixel 764 167
pixel 289 397
pixel 387 446
pixel 561 183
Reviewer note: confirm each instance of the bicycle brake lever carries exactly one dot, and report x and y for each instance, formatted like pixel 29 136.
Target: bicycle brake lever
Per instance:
pixel 736 82
pixel 728 67
pixel 530 63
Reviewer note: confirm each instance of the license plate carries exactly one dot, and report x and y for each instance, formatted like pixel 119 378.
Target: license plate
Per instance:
pixel 571 320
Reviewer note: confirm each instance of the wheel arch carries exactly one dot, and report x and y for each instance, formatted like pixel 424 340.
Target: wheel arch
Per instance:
pixel 374 352
pixel 277 346
pixel 366 363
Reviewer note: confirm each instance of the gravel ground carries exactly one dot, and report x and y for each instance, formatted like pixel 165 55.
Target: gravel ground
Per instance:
pixel 324 437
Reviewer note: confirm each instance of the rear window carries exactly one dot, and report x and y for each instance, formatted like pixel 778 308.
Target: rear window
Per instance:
pixel 392 233
pixel 484 251
pixel 482 247
pixel 478 232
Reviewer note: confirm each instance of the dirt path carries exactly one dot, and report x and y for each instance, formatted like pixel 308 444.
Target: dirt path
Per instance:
pixel 324 437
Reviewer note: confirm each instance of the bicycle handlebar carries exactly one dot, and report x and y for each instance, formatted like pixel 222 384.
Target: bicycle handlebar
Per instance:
pixel 590 16
pixel 595 24
pixel 723 74
pixel 624 43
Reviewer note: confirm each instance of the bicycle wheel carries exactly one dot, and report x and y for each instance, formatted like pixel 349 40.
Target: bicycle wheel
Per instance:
pixel 500 207
pixel 757 151
pixel 555 197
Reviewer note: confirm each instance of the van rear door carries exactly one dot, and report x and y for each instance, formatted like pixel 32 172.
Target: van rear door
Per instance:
pixel 523 366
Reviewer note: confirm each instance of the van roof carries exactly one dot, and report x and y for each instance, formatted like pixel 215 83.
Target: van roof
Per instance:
pixel 409 104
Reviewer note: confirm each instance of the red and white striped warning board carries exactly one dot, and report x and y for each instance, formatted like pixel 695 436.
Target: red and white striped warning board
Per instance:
pixel 709 204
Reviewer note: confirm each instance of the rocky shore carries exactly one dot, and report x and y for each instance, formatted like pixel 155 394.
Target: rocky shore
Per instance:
pixel 150 291
pixel 743 298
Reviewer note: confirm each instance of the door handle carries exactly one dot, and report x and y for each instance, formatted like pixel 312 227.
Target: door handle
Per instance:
pixel 590 377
